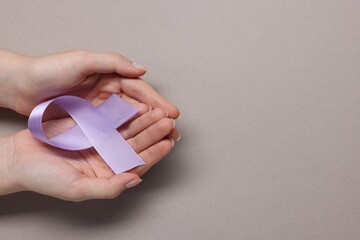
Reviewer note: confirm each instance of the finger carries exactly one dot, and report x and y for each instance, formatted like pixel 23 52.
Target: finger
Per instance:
pixel 143 108
pixel 153 155
pixel 174 134
pixel 134 101
pixel 102 62
pixel 131 129
pixel 143 92
pixel 101 188
pixel 59 125
pixel 129 99
pixel 151 135
pixel 97 98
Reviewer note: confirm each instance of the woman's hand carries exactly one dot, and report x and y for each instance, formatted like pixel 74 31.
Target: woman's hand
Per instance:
pixel 27 81
pixel 30 165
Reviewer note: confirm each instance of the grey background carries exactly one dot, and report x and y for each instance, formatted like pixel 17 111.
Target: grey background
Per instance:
pixel 269 94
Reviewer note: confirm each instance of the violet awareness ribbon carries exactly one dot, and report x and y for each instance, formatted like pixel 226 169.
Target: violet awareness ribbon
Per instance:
pixel 96 127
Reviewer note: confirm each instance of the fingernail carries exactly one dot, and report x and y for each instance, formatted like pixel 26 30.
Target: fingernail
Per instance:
pixel 139 66
pixel 150 108
pixel 178 117
pixel 172 142
pixel 166 114
pixel 179 137
pixel 174 122
pixel 133 183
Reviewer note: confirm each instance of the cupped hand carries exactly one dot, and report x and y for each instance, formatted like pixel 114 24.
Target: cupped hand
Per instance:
pixel 78 72
pixel 79 175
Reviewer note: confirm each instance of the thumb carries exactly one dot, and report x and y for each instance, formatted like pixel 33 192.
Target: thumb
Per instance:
pixel 101 62
pixel 102 188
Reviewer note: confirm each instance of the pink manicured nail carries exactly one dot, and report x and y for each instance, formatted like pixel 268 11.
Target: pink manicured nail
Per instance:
pixel 139 66
pixel 178 116
pixel 179 137
pixel 133 183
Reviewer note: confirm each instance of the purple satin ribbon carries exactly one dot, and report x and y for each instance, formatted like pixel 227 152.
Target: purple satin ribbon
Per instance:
pixel 96 127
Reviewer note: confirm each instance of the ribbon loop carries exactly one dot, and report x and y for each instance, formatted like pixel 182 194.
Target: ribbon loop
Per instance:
pixel 96 127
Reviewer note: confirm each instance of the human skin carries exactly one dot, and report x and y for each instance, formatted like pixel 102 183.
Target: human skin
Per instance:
pixel 29 165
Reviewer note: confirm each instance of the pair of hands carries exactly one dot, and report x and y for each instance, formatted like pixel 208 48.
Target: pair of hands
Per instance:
pixel 29 165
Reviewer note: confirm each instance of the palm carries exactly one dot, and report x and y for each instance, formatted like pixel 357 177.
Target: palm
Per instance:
pixel 40 162
pixel 51 171
pixel 59 168
pixel 86 162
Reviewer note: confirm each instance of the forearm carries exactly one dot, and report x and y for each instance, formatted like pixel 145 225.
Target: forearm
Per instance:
pixel 11 69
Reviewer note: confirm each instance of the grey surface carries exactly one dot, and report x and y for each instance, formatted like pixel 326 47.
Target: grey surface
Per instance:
pixel 270 97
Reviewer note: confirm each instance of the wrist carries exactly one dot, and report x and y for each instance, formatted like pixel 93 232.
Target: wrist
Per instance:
pixel 7 184
pixel 12 66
